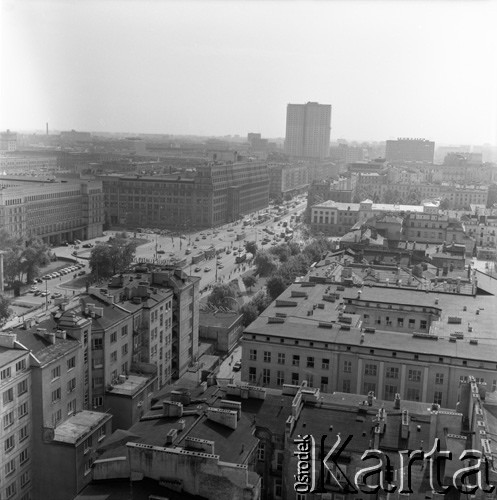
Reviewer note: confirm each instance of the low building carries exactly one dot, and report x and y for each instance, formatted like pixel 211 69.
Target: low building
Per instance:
pixel 393 339
pixel 222 328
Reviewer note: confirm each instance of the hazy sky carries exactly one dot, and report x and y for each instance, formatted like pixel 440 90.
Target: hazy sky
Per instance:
pixel 389 69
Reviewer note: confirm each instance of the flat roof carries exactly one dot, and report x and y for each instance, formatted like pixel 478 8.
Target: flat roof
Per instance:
pixel 299 325
pixel 130 386
pixel 79 425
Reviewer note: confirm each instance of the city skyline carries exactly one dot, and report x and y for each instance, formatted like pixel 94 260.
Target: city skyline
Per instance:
pixel 212 69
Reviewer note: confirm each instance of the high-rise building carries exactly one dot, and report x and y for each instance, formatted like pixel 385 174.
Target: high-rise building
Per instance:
pixel 410 150
pixel 308 130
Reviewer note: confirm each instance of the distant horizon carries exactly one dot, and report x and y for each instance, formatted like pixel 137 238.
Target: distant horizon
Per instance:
pixel 42 133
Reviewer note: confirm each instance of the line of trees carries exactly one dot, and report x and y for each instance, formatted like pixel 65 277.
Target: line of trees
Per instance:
pixel 112 258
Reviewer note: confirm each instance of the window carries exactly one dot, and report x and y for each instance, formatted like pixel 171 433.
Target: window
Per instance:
pixel 21 365
pixel 295 378
pixel 8 419
pixel 71 407
pixel 281 358
pixel 310 362
pixel 5 374
pixel 423 324
pixel 124 331
pixel 113 356
pixel 280 377
pixel 101 433
pixel 10 467
pixel 113 337
pixel 56 395
pixel 369 387
pixel 23 456
pixel 392 372
pixel 71 385
pixel 261 452
pixel 296 360
pixel 10 491
pixel 412 323
pixel 22 387
pixel 439 378
pixel 97 343
pixel 98 401
pixel 266 376
pixel 412 394
pixel 390 391
pixel 347 366
pixel 400 322
pixel 23 433
pixel 370 370
pixel 71 363
pixel 437 397
pixel 267 356
pixel 8 396
pixel 278 488
pixel 87 444
pixel 253 355
pixel 22 411
pixel 24 478
pixel 124 367
pixel 346 386
pixel 55 373
pixel 124 349
pixel 9 444
pixel 414 375
pixel 325 364
pixel 252 374
pixel 56 417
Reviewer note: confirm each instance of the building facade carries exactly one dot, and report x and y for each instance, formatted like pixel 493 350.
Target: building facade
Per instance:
pixel 287 179
pixel 402 149
pixel 211 195
pixel 308 128
pixel 55 212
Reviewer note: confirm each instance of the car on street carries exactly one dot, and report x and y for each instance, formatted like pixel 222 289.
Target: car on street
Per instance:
pixel 81 273
pixel 207 269
pixel 56 295
pixel 228 252
pixel 220 266
pixel 38 292
pixel 197 269
pixel 197 239
pixel 161 251
pixel 237 366
pixel 44 294
pixel 188 251
pixel 38 280
pixel 32 289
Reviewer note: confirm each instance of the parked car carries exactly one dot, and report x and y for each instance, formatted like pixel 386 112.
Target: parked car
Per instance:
pixel 81 273
pixel 87 245
pixel 44 294
pixel 38 292
pixel 161 251
pixel 197 269
pixel 56 295
pixel 207 269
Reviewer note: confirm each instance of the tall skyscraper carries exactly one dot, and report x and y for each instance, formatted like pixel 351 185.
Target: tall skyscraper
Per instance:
pixel 308 129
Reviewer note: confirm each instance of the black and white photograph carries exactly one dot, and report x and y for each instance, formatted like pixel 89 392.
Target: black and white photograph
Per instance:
pixel 248 250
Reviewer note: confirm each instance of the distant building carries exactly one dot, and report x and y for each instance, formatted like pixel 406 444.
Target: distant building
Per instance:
pixel 8 141
pixel 52 211
pixel 287 179
pixel 208 196
pixel 411 150
pixel 344 153
pixel 308 129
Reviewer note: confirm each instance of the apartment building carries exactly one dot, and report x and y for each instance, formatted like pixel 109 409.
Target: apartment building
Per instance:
pixel 388 340
pixel 308 128
pixel 16 412
pixel 52 211
pixel 210 195
pixel 287 179
pixel 336 219
pixel 405 150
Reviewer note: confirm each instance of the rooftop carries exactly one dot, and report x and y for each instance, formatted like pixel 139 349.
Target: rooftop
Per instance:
pixel 79 426
pixel 299 323
pixel 217 319
pixel 129 386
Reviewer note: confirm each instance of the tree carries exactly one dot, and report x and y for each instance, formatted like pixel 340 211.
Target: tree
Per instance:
pixel 281 251
pixel 444 204
pixel 251 247
pixel 5 310
pixel 249 312
pixel 287 197
pixel 276 286
pixel 417 271
pixel 264 264
pixel 107 260
pixel 35 255
pixel 249 281
pixel 222 295
pixel 260 300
